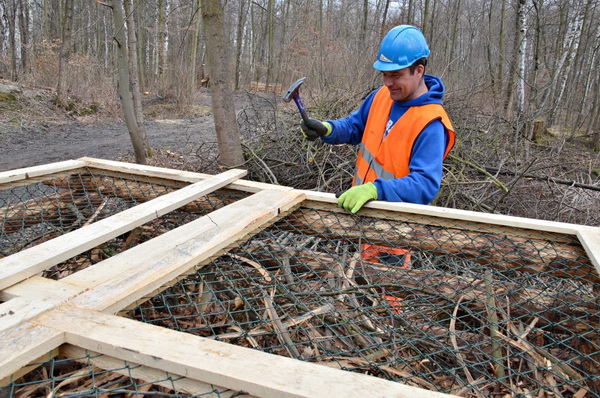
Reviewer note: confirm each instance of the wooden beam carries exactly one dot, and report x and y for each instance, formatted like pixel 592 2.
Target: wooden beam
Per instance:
pixel 590 240
pixel 31 297
pixel 453 214
pixel 36 363
pixel 120 280
pixel 28 262
pixel 496 248
pixel 214 362
pixel 25 343
pixel 160 172
pixel 36 171
pixel 179 384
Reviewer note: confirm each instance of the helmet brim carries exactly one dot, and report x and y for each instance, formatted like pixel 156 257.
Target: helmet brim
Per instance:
pixel 386 66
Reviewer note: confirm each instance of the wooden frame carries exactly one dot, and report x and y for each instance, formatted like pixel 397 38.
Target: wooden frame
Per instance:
pixel 76 313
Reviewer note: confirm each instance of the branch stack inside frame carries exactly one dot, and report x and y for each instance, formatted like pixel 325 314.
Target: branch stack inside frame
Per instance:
pixel 439 304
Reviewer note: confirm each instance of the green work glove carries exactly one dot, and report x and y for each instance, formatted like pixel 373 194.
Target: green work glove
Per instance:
pixel 354 198
pixel 315 129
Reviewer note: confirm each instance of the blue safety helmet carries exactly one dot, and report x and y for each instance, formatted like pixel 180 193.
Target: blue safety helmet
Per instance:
pixel 400 48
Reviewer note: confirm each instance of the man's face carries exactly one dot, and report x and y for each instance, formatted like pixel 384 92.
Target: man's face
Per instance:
pixel 404 85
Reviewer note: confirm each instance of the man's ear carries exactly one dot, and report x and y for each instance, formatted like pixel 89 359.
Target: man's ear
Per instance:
pixel 420 69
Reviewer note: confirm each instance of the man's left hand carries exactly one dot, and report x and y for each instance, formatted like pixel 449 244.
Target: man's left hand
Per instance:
pixel 354 198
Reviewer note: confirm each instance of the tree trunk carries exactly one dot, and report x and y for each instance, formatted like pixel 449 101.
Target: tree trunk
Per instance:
pixel 219 65
pixel 500 66
pixel 194 48
pixel 62 95
pixel 139 145
pixel 24 35
pixel 363 24
pixel 11 19
pixel 270 46
pixel 522 44
pixel 161 44
pixel 425 26
pixel 141 48
pixel 239 37
pixel 382 29
pixel 134 82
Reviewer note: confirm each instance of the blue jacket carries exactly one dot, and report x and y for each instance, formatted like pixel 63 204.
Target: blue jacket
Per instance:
pixel 423 182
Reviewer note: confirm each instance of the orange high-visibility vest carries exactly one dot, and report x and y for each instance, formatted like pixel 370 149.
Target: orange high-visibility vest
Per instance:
pixel 390 158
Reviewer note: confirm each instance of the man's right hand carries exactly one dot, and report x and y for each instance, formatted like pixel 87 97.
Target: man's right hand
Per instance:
pixel 315 129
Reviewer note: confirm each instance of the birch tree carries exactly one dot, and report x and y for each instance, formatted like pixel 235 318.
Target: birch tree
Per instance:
pixel 521 54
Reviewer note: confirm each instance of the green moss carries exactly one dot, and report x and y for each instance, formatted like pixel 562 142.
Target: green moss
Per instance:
pixel 9 101
pixel 8 97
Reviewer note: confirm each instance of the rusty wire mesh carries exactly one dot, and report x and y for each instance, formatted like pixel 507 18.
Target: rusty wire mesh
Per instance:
pixel 464 308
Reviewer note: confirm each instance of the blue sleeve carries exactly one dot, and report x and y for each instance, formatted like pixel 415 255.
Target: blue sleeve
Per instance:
pixel 423 182
pixel 349 130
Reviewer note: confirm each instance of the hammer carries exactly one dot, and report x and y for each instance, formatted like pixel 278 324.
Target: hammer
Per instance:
pixel 294 93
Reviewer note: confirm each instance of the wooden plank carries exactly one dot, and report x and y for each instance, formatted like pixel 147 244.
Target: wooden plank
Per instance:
pixel 454 214
pixel 36 171
pixel 25 343
pixel 214 362
pixel 150 375
pixel 28 262
pixel 145 170
pixel 31 297
pixel 36 363
pixel 498 248
pixel 126 277
pixel 160 172
pixel 590 240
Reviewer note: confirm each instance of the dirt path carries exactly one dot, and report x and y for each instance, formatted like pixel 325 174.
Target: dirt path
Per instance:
pixel 32 132
pixel 25 147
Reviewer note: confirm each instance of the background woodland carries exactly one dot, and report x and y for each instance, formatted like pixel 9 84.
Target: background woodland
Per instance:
pixel 522 82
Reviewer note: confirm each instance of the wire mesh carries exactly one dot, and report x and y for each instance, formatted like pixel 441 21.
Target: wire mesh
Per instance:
pixel 80 376
pixel 464 308
pixel 34 212
pixel 469 312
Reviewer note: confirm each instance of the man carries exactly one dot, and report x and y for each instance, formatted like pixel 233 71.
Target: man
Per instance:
pixel 402 129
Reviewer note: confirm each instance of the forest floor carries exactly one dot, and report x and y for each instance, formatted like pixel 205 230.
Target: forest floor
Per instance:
pixel 33 131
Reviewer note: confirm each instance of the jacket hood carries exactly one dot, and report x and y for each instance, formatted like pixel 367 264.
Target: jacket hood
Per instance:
pixel 433 96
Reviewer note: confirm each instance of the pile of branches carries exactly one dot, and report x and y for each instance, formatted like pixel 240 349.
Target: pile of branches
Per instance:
pixel 487 171
pixel 412 321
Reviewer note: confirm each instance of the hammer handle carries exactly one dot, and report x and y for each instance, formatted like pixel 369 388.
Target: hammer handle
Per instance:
pixel 298 102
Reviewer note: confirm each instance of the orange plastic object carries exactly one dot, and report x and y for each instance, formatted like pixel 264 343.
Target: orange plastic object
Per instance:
pixel 386 255
pixel 395 303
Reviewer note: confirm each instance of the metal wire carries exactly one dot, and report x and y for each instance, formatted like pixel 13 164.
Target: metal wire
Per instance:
pixel 463 308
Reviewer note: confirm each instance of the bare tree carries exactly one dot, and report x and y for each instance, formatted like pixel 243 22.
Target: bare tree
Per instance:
pixel 218 56
pixel 127 103
pixel 134 76
pixel 24 34
pixel 65 51
pixel 161 44
pixel 522 48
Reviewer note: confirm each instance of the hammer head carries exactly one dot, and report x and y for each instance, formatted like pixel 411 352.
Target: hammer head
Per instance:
pixel 294 90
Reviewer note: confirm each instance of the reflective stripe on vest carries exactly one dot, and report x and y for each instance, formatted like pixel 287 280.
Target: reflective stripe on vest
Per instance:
pixel 390 158
pixel 374 165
